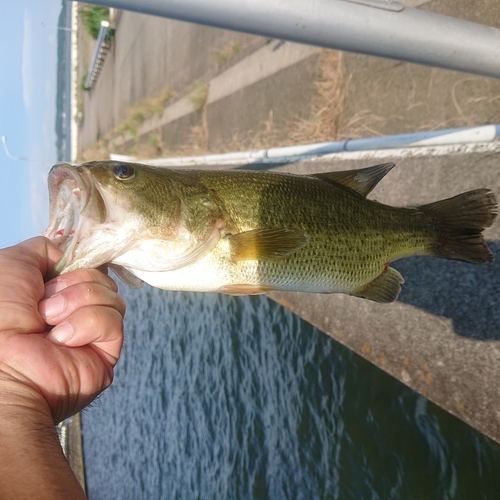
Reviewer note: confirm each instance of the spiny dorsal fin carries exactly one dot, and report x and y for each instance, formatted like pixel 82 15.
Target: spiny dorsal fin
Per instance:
pixel 384 288
pixel 265 244
pixel 362 181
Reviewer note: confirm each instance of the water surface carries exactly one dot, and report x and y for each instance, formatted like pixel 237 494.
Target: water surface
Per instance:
pixel 219 397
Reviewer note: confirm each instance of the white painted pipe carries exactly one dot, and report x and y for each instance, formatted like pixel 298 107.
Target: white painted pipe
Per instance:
pixel 484 133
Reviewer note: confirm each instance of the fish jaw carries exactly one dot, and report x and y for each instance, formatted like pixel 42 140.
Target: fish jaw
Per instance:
pixel 84 223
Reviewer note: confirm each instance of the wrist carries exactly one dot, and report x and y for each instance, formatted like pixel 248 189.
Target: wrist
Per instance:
pixel 31 458
pixel 22 405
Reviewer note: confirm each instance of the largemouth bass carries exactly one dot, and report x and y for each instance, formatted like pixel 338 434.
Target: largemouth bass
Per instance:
pixel 247 232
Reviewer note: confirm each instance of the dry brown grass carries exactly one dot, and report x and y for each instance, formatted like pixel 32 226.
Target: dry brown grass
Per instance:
pixel 323 123
pixel 326 109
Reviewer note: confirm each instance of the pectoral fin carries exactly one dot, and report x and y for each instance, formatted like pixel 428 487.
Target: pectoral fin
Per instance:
pixel 265 244
pixel 384 288
pixel 362 180
pixel 126 276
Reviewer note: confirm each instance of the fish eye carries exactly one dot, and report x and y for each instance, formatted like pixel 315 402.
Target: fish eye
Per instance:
pixel 123 172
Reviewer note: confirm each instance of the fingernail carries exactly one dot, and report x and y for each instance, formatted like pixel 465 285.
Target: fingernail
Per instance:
pixel 54 287
pixel 61 333
pixel 53 306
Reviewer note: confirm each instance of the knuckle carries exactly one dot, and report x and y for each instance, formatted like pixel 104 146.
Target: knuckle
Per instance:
pixel 93 317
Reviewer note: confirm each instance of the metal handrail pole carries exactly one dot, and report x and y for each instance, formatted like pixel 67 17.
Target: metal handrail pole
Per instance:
pixel 374 27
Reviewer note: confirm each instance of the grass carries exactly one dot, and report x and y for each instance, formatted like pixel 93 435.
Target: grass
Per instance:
pixel 323 123
pixel 135 117
pixel 224 55
pixel 336 111
pixel 82 83
pixel 198 95
pixel 92 15
pixel 326 108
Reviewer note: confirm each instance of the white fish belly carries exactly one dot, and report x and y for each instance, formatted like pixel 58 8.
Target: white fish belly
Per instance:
pixel 206 275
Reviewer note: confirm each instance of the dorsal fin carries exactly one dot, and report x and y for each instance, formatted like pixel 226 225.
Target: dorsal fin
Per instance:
pixel 362 180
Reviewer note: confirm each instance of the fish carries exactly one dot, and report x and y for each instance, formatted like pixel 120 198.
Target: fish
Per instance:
pixel 249 232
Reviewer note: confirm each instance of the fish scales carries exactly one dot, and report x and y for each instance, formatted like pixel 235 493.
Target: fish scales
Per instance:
pixel 351 238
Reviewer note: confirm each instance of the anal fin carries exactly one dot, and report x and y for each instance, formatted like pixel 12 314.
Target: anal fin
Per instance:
pixel 384 288
pixel 245 289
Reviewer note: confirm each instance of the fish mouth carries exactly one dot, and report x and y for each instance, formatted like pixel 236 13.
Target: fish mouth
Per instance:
pixel 75 207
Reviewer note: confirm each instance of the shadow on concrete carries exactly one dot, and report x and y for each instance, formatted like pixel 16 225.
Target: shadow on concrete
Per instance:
pixel 468 294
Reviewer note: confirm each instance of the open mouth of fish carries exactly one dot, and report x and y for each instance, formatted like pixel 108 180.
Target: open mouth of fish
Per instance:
pixel 76 207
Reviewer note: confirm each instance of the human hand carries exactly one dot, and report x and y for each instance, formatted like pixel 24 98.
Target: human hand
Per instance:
pixel 58 370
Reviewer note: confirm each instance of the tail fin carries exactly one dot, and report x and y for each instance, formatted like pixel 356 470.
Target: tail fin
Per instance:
pixel 460 221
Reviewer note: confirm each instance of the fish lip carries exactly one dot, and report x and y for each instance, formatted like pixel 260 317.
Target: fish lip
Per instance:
pixel 60 172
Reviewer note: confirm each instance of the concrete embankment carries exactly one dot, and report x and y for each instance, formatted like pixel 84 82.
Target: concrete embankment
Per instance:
pixel 442 338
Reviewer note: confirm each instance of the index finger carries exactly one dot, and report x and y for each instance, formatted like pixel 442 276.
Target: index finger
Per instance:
pixel 22 268
pixel 63 281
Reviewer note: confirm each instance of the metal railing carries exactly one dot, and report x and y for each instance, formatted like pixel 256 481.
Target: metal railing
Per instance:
pixel 102 46
pixel 447 137
pixel 373 27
